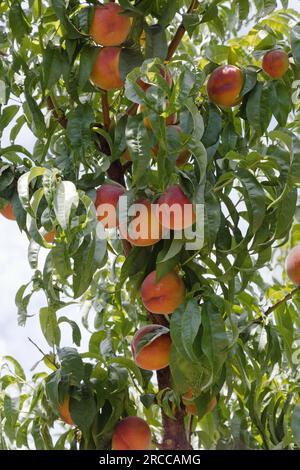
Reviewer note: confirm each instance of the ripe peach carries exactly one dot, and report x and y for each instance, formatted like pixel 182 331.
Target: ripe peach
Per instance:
pixel 170 120
pixel 50 236
pixel 8 212
pixel 144 229
pixel 176 211
pixel 106 73
pixel 292 265
pixel 64 411
pixel 190 406
pixel 225 85
pixel 276 63
pixel 182 157
pixel 109 27
pixel 156 354
pixel 163 296
pixel 107 198
pixel 132 433
pixel 164 73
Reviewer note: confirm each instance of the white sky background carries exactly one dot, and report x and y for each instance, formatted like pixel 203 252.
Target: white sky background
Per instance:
pixel 15 271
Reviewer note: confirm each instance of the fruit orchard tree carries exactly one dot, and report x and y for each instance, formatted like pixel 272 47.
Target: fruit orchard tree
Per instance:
pixel 173 102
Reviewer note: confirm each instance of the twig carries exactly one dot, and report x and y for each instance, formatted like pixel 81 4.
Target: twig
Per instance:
pixel 57 113
pixel 105 110
pixel 179 33
pixel 271 309
pixel 280 302
pixel 37 347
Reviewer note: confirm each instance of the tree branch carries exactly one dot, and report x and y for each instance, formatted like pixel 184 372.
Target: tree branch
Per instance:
pixel 58 114
pixel 179 33
pixel 174 436
pixel 271 309
pixel 280 302
pixel 105 109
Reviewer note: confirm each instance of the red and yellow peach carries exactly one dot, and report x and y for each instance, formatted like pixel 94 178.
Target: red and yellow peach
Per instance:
pixel 163 296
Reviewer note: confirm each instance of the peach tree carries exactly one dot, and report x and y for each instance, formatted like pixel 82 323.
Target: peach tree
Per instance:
pixel 175 101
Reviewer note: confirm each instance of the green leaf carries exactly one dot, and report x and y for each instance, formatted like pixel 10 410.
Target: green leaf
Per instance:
pixel 54 62
pixel 71 365
pixel 139 146
pixel 80 120
pixel 87 59
pixel 281 101
pixel 18 22
pixel 83 408
pixel 129 364
pixel 184 326
pixel 295 43
pixel 214 340
pixel 295 424
pixel 66 199
pixel 11 412
pixel 156 42
pixel 17 367
pixel 129 60
pixel 49 325
pixel 258 108
pixel 7 116
pixel 71 31
pixel 244 8
pixel 76 334
pixel 255 198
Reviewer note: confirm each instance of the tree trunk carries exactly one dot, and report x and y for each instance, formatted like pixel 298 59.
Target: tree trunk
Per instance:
pixel 174 434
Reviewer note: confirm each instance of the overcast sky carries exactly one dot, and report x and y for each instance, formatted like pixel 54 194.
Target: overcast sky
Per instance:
pixel 15 272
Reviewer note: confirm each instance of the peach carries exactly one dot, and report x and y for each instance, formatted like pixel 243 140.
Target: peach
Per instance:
pixel 170 120
pixel 292 265
pixel 8 212
pixel 190 406
pixel 225 85
pixel 132 433
pixel 107 198
pixel 176 211
pixel 109 27
pixel 64 411
pixel 50 236
pixel 144 229
pixel 276 63
pixel 106 73
pixel 156 354
pixel 164 73
pixel 163 296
